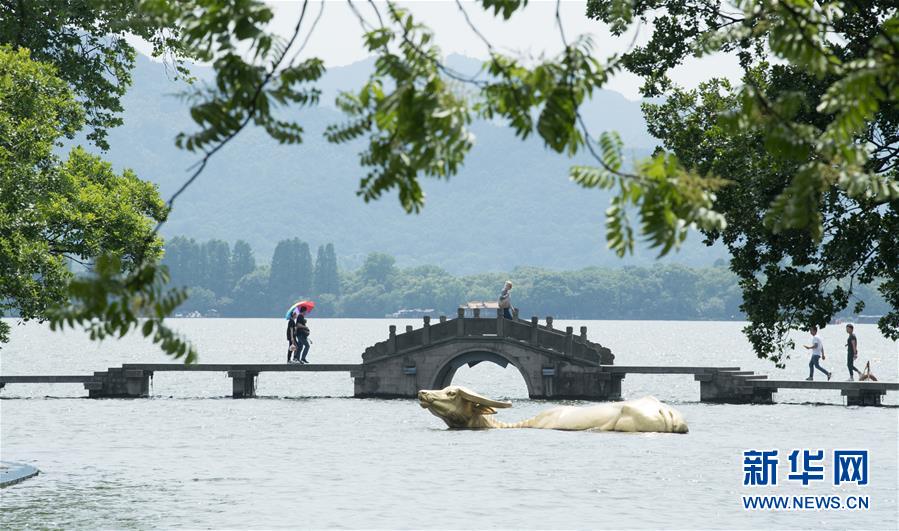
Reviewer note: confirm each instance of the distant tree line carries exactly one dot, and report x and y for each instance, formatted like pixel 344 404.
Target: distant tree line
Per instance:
pixel 228 279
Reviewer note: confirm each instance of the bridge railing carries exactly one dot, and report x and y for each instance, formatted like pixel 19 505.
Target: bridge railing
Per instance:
pixel 542 336
pixel 479 326
pixel 517 329
pixel 410 339
pixel 442 330
pixel 552 341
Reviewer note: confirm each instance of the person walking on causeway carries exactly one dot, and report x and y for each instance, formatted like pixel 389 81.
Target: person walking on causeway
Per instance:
pixel 851 352
pixel 301 337
pixel 817 348
pixel 291 343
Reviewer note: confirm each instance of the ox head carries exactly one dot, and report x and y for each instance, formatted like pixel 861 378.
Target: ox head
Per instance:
pixel 460 407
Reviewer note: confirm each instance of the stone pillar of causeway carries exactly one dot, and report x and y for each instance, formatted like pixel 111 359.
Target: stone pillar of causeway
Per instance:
pixel 243 383
pixel 863 397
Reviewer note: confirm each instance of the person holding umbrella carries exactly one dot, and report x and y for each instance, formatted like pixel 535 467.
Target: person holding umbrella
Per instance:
pixel 301 330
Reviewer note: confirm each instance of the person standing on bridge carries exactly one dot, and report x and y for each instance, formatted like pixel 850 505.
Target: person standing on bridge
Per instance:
pixel 851 351
pixel 817 348
pixel 301 337
pixel 505 300
pixel 291 342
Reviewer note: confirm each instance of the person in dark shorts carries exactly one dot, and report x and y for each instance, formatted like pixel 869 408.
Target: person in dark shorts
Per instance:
pixel 851 351
pixel 291 343
pixel 301 337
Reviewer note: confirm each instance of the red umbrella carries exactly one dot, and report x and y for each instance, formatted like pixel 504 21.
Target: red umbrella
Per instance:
pixel 309 305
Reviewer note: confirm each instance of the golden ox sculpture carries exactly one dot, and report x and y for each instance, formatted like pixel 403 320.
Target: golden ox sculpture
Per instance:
pixel 462 408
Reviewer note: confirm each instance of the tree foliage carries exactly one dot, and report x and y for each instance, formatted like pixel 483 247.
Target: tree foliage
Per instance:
pixel 414 111
pixel 252 293
pixel 55 213
pixel 109 304
pixel 229 282
pixel 86 43
pixel 787 277
pixel 291 270
pixel 243 260
pixel 325 279
pixel 415 123
pixel 254 78
pixel 378 269
pixel 851 50
pixel 809 143
pixel 824 115
pixel 379 287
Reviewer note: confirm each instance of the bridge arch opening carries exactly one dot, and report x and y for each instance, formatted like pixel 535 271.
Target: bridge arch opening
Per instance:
pixel 500 377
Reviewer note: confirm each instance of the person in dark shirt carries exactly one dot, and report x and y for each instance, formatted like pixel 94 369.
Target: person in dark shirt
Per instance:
pixel 291 343
pixel 301 337
pixel 851 351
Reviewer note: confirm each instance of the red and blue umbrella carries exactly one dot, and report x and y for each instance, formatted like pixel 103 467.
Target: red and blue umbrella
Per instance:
pixel 309 305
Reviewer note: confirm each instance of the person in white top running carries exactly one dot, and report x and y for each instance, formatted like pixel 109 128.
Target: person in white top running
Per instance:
pixel 817 348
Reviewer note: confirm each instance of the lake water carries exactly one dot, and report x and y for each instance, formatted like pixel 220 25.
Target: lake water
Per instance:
pixel 306 454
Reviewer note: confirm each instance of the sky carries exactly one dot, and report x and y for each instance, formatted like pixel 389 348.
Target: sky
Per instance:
pixel 531 32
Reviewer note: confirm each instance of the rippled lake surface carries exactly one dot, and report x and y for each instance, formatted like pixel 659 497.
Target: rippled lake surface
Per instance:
pixel 307 455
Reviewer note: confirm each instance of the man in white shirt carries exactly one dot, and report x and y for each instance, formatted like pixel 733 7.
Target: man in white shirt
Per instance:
pixel 817 348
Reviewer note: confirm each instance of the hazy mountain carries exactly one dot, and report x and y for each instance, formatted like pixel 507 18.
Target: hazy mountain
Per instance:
pixel 511 204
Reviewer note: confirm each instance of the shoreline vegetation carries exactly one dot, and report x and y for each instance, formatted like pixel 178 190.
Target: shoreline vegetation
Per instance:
pixel 226 281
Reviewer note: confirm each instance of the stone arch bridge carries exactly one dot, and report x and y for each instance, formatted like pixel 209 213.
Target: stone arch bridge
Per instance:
pixel 554 363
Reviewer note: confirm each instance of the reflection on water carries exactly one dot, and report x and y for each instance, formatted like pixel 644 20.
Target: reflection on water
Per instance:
pixel 189 457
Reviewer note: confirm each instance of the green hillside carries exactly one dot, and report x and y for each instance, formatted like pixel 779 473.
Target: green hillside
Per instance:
pixel 511 205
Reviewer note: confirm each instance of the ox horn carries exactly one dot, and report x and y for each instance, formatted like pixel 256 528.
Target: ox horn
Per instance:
pixel 471 396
